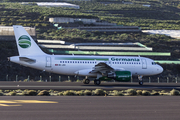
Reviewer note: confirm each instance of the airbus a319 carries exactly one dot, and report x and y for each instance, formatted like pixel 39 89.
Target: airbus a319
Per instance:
pixel 101 68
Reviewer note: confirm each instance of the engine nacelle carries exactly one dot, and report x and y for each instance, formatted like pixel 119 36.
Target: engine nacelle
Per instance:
pixel 120 76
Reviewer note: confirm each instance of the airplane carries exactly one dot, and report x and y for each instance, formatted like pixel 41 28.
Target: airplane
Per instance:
pixel 101 68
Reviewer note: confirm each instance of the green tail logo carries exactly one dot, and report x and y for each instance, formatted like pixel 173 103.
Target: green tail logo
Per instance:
pixel 24 41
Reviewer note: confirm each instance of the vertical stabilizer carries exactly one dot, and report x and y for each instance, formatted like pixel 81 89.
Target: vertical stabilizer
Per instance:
pixel 25 44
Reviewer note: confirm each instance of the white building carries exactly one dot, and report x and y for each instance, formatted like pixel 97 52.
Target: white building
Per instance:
pixel 61 20
pixel 57 4
pixel 66 20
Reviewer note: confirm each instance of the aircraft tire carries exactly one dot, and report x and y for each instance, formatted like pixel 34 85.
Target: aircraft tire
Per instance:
pixel 87 81
pixel 97 82
pixel 140 82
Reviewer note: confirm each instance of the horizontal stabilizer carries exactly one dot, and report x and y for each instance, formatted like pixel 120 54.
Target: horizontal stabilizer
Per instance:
pixel 28 60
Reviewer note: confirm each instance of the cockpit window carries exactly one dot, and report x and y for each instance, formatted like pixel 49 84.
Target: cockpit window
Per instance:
pixel 153 63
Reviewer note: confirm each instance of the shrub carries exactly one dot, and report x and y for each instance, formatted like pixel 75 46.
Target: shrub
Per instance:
pixel 1 93
pixel 163 91
pixel 69 93
pixel 51 91
pixel 131 92
pixel 6 91
pixel 139 92
pixel 174 92
pixel 145 93
pixel 60 93
pixel 155 93
pixel 117 93
pixel 43 93
pixel 32 93
pixel 87 92
pixel 12 93
pixel 99 92
pixel 80 93
pixel 19 91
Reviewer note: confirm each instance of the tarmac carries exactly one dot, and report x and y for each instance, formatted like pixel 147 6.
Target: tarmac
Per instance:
pixel 4 85
pixel 90 108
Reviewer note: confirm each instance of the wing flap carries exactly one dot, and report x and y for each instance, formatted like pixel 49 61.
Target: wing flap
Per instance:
pixel 102 67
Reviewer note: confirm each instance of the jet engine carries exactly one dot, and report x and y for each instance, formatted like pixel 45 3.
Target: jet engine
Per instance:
pixel 123 76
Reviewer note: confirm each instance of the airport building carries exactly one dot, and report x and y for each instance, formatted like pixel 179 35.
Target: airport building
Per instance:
pixel 7 32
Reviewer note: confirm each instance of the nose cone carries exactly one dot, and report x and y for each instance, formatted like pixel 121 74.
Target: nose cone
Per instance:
pixel 159 69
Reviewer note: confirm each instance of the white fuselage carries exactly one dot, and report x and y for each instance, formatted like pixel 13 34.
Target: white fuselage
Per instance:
pixel 82 65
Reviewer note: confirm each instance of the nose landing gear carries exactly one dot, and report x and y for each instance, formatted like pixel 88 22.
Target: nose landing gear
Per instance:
pixel 140 80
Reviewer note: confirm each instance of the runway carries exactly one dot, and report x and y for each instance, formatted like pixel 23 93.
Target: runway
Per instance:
pixel 90 108
pixel 80 86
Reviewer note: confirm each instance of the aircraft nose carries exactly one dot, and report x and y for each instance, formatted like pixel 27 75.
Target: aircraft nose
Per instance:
pixel 160 69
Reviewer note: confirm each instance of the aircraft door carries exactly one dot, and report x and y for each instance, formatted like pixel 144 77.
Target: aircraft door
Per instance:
pixel 48 61
pixel 144 64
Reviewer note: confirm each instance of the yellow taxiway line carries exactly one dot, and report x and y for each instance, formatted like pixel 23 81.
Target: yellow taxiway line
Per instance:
pixel 5 102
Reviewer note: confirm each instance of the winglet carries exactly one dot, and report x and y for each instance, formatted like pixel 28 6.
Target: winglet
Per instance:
pixel 25 44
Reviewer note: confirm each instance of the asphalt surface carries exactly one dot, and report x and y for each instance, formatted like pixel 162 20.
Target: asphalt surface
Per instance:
pixel 80 86
pixel 89 108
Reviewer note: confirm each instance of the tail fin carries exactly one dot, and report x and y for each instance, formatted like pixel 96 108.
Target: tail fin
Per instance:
pixel 25 44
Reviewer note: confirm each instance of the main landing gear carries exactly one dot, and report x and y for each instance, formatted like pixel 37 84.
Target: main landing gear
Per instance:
pixel 96 81
pixel 140 80
pixel 86 81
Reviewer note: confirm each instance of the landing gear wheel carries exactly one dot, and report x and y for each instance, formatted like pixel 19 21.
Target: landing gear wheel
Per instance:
pixel 140 82
pixel 97 82
pixel 86 81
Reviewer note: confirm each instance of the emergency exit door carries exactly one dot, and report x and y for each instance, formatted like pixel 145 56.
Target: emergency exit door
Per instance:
pixel 48 61
pixel 144 64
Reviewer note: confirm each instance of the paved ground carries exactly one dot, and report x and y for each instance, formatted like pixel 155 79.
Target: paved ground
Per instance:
pixel 80 86
pixel 89 108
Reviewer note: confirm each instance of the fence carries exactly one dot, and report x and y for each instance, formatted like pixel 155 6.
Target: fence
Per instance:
pixel 59 78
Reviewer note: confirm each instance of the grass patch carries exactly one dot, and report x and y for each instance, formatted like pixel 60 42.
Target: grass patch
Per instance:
pixel 96 92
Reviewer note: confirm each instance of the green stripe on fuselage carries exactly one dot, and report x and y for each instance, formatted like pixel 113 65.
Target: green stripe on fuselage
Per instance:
pixel 80 58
